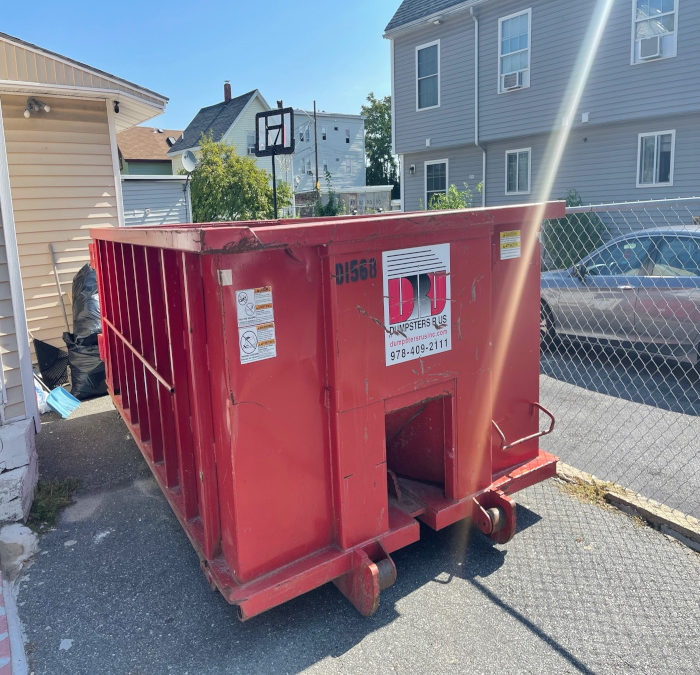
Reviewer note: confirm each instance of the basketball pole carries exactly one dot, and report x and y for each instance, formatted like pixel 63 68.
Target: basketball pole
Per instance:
pixel 274 186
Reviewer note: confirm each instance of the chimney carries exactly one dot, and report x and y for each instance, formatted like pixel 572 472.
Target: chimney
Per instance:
pixel 227 91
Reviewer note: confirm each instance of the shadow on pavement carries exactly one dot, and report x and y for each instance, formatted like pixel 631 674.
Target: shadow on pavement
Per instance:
pixel 643 379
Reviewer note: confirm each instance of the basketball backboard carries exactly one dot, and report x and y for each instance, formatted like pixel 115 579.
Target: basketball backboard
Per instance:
pixel 274 132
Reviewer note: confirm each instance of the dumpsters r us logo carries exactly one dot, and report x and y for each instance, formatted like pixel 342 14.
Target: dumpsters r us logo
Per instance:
pixel 417 314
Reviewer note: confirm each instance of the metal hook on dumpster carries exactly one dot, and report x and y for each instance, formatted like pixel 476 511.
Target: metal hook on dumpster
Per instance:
pixel 507 446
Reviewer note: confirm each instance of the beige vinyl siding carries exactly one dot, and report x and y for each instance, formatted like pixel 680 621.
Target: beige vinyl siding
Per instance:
pixel 62 183
pixel 14 407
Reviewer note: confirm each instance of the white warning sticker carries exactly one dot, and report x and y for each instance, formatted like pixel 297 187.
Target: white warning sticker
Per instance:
pixel 256 324
pixel 417 314
pixel 510 244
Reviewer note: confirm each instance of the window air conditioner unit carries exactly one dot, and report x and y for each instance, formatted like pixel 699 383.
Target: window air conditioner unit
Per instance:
pixel 511 81
pixel 251 149
pixel 650 48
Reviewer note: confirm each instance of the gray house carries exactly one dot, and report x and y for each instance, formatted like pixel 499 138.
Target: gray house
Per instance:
pixel 480 88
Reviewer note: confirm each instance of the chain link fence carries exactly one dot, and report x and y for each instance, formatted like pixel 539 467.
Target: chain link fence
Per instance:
pixel 620 327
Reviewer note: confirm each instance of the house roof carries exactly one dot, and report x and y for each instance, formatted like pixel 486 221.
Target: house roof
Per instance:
pixel 216 119
pixel 26 68
pixel 146 143
pixel 412 10
pixel 84 66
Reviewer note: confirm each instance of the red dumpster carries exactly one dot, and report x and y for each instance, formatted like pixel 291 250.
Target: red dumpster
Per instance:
pixel 306 391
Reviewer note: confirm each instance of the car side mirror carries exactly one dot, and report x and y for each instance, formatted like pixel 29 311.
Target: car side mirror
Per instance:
pixel 579 272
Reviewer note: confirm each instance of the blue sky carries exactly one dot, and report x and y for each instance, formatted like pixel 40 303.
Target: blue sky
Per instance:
pixel 296 51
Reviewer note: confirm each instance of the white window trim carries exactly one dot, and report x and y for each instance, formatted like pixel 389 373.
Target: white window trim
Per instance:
pixel 529 171
pixel 446 162
pixel 527 11
pixel 673 157
pixel 634 32
pixel 418 48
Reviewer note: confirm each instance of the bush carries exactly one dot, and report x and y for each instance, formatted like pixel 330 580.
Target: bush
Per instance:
pixel 454 199
pixel 567 240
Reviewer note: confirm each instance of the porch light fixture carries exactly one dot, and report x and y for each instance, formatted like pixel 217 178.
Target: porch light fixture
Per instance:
pixel 35 105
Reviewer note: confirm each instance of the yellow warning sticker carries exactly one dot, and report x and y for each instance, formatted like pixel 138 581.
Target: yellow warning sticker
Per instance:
pixel 510 244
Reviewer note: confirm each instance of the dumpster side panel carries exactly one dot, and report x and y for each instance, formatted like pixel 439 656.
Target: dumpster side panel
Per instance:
pixel 278 420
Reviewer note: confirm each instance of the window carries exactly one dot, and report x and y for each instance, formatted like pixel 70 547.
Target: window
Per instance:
pixel 514 52
pixel 655 158
pixel 677 257
pixel 325 166
pixel 428 76
pixel 654 29
pixel 348 166
pixel 251 142
pixel 301 136
pixel 518 172
pixel 323 134
pixel 625 258
pixel 308 167
pixel 307 134
pixel 435 179
pixel 347 135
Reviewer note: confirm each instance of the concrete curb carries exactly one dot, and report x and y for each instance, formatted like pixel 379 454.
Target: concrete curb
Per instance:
pixel 5 651
pixel 670 521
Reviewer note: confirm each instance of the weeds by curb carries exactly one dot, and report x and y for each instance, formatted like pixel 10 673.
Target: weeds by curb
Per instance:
pixel 592 490
pixel 50 497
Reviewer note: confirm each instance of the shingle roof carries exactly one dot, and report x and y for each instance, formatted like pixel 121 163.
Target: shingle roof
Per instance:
pixel 410 10
pixel 216 119
pixel 146 143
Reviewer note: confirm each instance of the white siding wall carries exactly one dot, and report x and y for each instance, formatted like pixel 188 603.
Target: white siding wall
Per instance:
pixel 154 201
pixel 14 394
pixel 334 151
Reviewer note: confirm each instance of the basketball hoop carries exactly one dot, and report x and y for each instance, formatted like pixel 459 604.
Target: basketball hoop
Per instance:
pixel 274 135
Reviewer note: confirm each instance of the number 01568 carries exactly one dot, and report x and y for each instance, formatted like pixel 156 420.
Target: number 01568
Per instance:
pixel 355 270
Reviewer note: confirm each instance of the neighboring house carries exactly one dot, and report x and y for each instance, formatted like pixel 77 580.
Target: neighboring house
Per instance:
pixel 144 150
pixel 341 150
pixel 156 200
pixel 478 88
pixel 231 121
pixel 59 176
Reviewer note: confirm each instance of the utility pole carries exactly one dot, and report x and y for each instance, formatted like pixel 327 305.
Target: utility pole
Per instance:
pixel 318 185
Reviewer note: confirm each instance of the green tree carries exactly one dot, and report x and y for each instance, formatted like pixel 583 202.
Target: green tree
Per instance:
pixel 382 168
pixel 454 199
pixel 567 240
pixel 225 186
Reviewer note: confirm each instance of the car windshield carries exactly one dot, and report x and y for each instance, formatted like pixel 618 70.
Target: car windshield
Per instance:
pixel 622 258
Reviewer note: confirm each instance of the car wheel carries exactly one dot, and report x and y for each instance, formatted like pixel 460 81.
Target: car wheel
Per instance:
pixel 547 332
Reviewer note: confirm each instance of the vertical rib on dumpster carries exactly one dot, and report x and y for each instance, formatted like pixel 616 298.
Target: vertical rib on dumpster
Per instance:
pixel 172 282
pixel 151 384
pixel 135 325
pixel 200 401
pixel 162 363
pixel 122 354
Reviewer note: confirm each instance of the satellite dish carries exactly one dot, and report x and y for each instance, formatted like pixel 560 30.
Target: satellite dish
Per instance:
pixel 189 161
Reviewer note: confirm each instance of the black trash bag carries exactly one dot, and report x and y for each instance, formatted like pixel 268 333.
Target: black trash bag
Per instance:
pixel 86 303
pixel 86 368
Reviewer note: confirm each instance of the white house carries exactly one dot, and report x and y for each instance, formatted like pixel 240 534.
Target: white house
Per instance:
pixel 340 140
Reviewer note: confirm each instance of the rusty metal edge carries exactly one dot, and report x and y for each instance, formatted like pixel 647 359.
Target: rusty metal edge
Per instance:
pixel 682 526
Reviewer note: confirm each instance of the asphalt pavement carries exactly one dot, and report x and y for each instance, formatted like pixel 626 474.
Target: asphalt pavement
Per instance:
pixel 630 420
pixel 116 588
